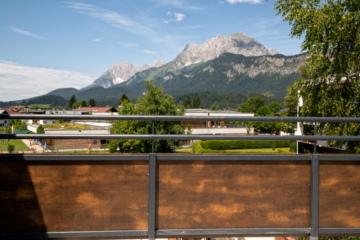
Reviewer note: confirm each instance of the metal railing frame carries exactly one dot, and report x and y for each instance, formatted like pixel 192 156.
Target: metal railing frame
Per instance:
pixel 313 231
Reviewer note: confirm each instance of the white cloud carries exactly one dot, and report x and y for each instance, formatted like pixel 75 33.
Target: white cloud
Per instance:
pixel 179 16
pixel 178 4
pixel 121 22
pixel 241 1
pixel 166 22
pixel 192 27
pixel 168 13
pixel 128 44
pixel 114 19
pixel 21 82
pixel 17 30
pixel 96 40
pixel 149 52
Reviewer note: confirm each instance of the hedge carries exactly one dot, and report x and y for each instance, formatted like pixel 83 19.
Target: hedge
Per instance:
pixel 205 146
pixel 197 148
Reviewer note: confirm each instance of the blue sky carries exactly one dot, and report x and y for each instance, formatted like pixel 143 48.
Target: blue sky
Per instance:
pixel 46 45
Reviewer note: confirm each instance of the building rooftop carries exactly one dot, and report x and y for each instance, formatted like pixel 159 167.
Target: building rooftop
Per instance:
pixel 97 109
pixel 200 110
pixel 66 112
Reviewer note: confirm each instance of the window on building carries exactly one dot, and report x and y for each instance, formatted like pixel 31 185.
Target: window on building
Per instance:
pixel 95 141
pixel 44 122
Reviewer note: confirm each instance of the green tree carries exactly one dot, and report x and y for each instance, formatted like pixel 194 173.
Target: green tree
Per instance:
pixel 10 148
pixel 196 102
pixel 189 131
pixel 331 85
pixel 214 107
pixel 187 102
pixel 18 124
pixel 292 100
pixel 275 107
pixel 92 102
pixel 72 101
pixel 266 126
pixel 40 130
pixel 251 105
pixel 263 111
pixel 123 98
pixel 154 102
pixel 83 103
pixel 77 105
pixel 8 130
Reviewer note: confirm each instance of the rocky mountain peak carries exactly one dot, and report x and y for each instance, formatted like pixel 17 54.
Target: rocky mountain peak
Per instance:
pixel 158 63
pixel 145 66
pixel 116 74
pixel 237 43
pixel 273 51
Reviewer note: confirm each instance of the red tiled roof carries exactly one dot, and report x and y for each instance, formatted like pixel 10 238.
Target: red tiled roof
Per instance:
pixel 97 109
pixel 9 111
pixel 17 107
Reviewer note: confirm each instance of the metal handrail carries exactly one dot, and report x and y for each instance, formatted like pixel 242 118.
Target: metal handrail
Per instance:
pixel 179 137
pixel 181 118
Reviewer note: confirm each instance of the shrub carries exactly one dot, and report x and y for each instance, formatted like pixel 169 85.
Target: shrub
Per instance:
pixel 243 144
pixel 293 146
pixel 11 148
pixel 196 147
pixel 112 146
pixel 8 130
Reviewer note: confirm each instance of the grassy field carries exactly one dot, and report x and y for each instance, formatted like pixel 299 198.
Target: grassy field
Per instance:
pixel 39 106
pixel 19 145
pixel 257 150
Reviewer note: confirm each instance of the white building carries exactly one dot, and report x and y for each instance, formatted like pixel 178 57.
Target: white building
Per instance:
pixel 216 127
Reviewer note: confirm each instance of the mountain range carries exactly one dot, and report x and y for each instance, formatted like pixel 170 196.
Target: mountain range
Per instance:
pixel 237 43
pixel 224 64
pixel 119 73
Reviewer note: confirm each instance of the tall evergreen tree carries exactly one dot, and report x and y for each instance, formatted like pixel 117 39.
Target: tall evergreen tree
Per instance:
pixel 123 98
pixel 196 102
pixel 83 103
pixel 187 102
pixel 72 101
pixel 93 103
pixel 214 107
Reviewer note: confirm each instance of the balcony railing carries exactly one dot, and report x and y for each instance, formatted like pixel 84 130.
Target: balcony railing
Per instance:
pixel 155 199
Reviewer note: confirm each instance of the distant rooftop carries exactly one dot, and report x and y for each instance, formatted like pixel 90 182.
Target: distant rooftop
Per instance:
pixel 66 112
pixel 97 109
pixel 200 110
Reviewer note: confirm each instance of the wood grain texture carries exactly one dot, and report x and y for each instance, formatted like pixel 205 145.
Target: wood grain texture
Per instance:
pixel 73 196
pixel 233 194
pixel 339 194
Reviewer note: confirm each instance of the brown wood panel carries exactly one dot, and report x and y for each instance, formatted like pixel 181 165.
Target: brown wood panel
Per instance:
pixel 233 194
pixel 339 194
pixel 73 196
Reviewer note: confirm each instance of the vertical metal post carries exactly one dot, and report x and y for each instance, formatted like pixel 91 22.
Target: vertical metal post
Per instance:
pixel 314 200
pixel 152 196
pixel 153 142
pixel 315 140
pixel 118 133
